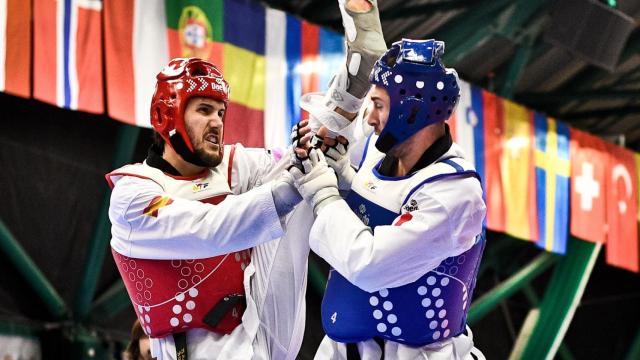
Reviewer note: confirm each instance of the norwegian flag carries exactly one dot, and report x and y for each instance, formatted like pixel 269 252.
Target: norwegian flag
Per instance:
pixel 67 43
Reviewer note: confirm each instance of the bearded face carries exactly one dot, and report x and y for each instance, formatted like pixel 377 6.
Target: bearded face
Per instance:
pixel 203 121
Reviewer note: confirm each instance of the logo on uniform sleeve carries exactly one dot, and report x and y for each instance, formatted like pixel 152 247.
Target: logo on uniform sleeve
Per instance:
pixel 411 206
pixel 362 214
pixel 197 187
pixel 156 204
pixel 369 185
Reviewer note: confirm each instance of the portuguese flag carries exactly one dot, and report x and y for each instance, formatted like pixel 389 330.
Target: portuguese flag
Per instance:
pixel 229 34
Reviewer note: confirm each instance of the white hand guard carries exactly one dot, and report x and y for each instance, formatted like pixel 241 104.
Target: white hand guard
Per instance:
pixel 318 183
pixel 347 89
pixel 365 44
pixel 285 195
pixel 339 161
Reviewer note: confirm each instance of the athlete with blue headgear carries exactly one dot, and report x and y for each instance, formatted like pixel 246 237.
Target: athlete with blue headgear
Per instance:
pixel 406 241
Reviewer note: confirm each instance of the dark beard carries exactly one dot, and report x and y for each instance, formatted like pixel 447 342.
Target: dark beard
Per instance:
pixel 209 160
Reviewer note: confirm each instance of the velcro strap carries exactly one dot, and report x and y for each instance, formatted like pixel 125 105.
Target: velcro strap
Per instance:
pixel 219 310
pixel 180 340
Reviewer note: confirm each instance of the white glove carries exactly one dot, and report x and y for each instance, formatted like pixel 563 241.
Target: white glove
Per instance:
pixel 318 183
pixel 339 161
pixel 285 195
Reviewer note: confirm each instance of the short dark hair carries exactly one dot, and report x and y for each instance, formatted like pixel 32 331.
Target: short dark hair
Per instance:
pixel 133 349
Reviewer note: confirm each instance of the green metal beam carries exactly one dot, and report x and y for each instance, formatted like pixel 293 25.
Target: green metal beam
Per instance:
pixel 519 62
pixel 470 21
pixel 318 7
pixel 422 9
pixel 490 300
pixel 524 334
pixel 561 299
pixel 19 329
pixel 539 48
pixel 125 146
pixel 523 10
pixel 600 113
pixel 531 295
pixel 634 350
pixel 30 271
pixel 111 302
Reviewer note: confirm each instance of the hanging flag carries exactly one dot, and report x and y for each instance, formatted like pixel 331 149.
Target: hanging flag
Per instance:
pixel 469 126
pixel 15 47
pixel 195 29
pixel 136 50
pixel 244 69
pixel 622 209
pixel 493 120
pixel 588 166
pixel 310 49
pixel 636 157
pixel 68 54
pixel 518 176
pixel 332 56
pixel 552 183
pixel 276 129
pixel 293 54
pixel 300 57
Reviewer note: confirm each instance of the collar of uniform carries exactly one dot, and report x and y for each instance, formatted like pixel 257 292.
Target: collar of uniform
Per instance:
pixel 155 160
pixel 433 153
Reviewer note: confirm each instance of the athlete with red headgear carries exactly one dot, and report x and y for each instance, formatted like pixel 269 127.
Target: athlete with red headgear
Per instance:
pixel 184 221
pixel 200 230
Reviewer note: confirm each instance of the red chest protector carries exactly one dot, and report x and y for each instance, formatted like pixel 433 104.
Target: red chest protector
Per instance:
pixel 171 296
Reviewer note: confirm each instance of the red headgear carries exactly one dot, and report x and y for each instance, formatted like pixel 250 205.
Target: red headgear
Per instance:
pixel 180 80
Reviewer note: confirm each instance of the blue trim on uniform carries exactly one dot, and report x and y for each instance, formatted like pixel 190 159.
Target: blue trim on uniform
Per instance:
pixel 454 164
pixel 366 148
pixel 388 178
pixel 441 176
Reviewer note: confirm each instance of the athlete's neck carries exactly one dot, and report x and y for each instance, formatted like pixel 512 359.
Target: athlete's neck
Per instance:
pixel 185 168
pixel 411 150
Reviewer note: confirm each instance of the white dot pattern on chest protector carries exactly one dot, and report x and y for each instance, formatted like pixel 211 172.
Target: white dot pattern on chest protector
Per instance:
pixel 434 300
pixel 382 307
pixel 179 310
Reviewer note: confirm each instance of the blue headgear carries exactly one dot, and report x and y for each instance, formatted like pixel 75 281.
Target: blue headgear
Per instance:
pixel 422 91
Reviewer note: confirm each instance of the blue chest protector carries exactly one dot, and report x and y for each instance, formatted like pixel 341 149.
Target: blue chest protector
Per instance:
pixel 429 310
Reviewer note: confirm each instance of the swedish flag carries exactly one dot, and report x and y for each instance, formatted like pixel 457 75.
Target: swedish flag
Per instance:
pixel 552 182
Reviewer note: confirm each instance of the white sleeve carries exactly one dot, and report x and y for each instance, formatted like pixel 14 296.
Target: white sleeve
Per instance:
pixel 187 229
pixel 398 254
pixel 255 166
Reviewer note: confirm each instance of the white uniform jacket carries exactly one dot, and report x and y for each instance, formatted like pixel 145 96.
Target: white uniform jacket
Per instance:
pixel 449 213
pixel 188 229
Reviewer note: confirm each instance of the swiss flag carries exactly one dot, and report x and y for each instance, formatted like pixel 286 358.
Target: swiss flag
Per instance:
pixel 622 208
pixel 588 167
